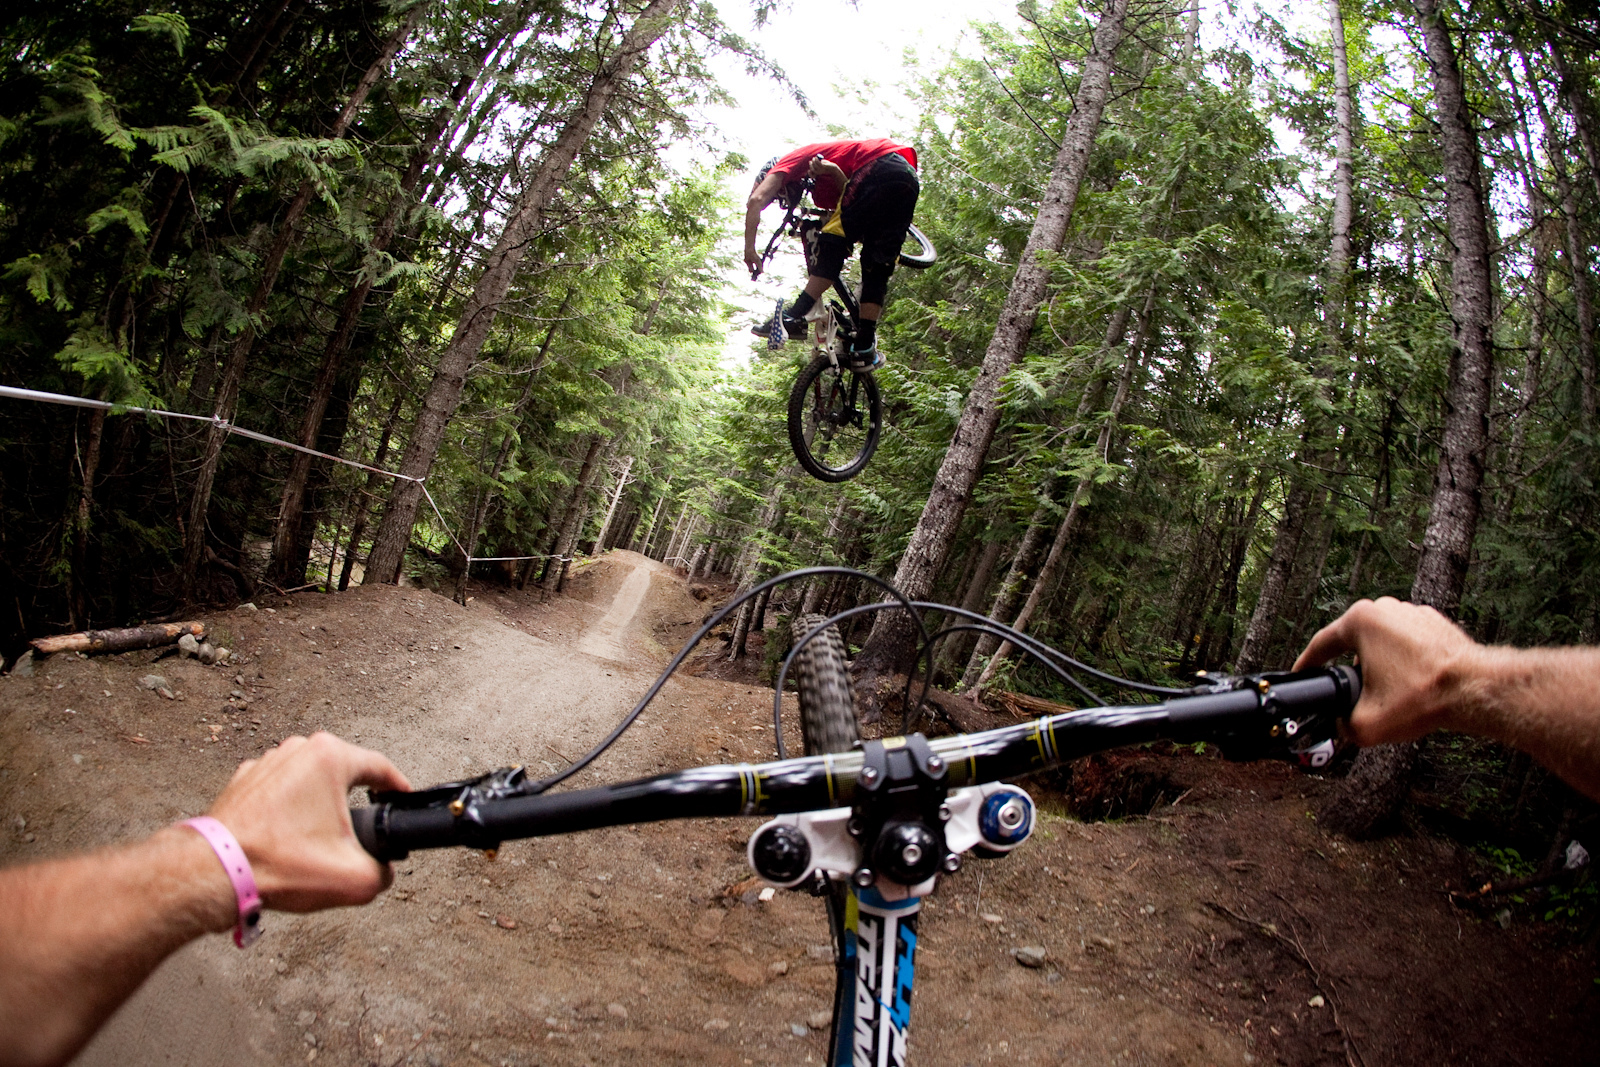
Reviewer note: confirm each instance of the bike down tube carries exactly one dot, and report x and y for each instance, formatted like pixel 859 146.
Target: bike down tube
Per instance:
pixel 1246 718
pixel 884 939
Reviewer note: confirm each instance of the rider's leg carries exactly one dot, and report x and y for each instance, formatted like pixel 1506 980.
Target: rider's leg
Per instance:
pixel 794 316
pixel 816 285
pixel 878 215
pixel 867 332
pixel 826 261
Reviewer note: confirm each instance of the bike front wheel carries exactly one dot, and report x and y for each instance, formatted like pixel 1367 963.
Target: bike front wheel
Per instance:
pixel 835 418
pixel 827 703
pixel 828 724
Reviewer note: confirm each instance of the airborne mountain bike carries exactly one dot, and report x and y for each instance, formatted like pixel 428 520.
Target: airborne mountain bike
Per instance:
pixel 871 826
pixel 835 414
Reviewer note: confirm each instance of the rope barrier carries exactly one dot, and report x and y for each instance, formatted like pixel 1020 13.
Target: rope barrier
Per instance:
pixel 101 405
pixel 64 400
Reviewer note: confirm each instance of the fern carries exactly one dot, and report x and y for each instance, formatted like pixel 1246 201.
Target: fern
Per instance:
pixel 173 27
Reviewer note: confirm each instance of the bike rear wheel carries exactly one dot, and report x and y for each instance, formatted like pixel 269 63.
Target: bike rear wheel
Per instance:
pixel 835 418
pixel 917 251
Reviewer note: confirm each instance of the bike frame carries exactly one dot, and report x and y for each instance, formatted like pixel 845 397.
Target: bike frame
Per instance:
pixel 877 970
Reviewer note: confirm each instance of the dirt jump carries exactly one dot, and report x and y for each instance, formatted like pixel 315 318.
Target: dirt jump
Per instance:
pixel 1221 928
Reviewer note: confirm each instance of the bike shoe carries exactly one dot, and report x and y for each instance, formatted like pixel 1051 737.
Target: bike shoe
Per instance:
pixel 863 361
pixel 795 328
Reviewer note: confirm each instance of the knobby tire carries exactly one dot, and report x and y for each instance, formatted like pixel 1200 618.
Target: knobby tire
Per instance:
pixel 828 724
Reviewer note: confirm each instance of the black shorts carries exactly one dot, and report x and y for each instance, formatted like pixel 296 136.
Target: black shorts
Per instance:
pixel 876 211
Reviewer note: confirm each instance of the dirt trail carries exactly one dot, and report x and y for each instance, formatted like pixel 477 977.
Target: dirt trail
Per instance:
pixel 621 946
pixel 604 639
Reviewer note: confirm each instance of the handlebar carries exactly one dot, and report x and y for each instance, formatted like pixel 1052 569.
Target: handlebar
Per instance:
pixel 1292 716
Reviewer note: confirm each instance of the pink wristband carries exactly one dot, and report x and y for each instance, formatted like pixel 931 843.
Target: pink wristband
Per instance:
pixel 226 846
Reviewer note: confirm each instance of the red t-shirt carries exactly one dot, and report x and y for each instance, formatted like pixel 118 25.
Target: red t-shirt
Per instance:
pixel 848 156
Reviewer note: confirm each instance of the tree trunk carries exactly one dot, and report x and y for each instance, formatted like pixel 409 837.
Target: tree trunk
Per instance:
pixel 1536 296
pixel 1080 496
pixel 291 506
pixel 817 587
pixel 88 466
pixel 1528 383
pixel 670 553
pixel 363 507
pixel 1011 593
pixel 137 637
pixel 1381 778
pixel 568 529
pixel 977 586
pixel 749 570
pixel 1581 108
pixel 1286 543
pixel 227 394
pixel 500 267
pixel 1458 483
pixel 611 511
pixel 1578 266
pixel 1026 558
pixel 643 541
pixel 891 643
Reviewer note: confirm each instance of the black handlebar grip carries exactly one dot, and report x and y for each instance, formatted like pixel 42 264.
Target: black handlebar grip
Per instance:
pixel 1352 677
pixel 365 821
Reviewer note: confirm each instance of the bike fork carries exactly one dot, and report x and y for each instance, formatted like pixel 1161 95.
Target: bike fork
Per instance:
pixel 876 941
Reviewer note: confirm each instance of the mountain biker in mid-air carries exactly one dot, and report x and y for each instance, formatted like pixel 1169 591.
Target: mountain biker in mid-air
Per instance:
pixel 871 188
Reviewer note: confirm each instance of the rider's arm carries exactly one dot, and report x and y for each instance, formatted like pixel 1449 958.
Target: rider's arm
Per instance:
pixel 1421 672
pixel 764 193
pixel 79 935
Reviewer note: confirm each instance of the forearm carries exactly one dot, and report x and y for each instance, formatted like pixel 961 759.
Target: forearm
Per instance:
pixel 1544 701
pixel 79 935
pixel 752 224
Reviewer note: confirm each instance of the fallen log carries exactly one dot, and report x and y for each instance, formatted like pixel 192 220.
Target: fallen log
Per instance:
pixel 164 633
pixel 1024 706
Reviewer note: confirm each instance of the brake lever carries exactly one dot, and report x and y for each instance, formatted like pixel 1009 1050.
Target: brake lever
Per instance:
pixel 1303 736
pixel 458 796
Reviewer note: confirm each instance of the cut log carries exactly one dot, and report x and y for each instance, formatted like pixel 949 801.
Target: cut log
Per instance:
pixel 164 633
pixel 1024 706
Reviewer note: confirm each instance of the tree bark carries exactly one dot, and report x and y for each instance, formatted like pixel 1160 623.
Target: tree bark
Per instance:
pixel 1580 107
pixel 669 553
pixel 500 267
pixel 891 643
pixel 1381 777
pixel 561 545
pixel 643 540
pixel 164 633
pixel 291 506
pixel 1011 593
pixel 1536 297
pixel 977 587
pixel 88 467
pixel 1458 482
pixel 611 511
pixel 353 547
